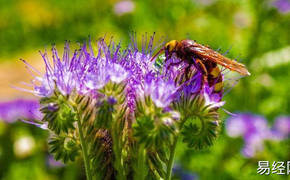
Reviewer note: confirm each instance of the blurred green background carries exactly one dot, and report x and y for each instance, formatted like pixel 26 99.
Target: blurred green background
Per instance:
pixel 254 31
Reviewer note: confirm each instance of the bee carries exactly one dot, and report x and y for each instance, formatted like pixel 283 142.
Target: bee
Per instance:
pixel 203 58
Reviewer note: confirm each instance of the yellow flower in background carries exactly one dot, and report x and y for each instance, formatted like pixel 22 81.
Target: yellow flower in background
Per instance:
pixel 37 13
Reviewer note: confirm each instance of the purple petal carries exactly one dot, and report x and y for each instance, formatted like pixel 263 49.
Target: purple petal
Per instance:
pixel 282 5
pixel 11 111
pixel 282 126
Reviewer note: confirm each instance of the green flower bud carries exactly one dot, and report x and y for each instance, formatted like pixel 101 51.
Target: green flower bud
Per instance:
pixel 57 112
pixel 64 148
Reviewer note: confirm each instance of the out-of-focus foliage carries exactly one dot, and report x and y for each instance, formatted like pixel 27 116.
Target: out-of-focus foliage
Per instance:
pixel 254 30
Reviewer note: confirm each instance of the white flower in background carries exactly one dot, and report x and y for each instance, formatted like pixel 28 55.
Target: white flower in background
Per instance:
pixel 23 146
pixel 124 7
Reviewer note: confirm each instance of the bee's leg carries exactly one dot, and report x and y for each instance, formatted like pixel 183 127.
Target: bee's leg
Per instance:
pixel 204 71
pixel 186 72
pixel 174 64
pixel 202 66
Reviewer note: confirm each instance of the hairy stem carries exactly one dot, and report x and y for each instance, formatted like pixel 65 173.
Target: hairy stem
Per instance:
pixel 172 152
pixel 84 150
pixel 171 158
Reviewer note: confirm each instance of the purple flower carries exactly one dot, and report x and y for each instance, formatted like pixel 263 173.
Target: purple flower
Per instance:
pixel 103 74
pixel 119 74
pixel 87 72
pixel 253 128
pixel 212 98
pixel 83 72
pixel 282 5
pixel 253 143
pixel 188 176
pixel 14 110
pixel 51 162
pixel 138 65
pixel 124 7
pixel 96 79
pixel 112 100
pixel 162 92
pixel 281 127
pixel 183 174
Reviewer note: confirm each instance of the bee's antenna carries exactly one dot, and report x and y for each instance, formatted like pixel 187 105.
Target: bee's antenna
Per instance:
pixel 159 52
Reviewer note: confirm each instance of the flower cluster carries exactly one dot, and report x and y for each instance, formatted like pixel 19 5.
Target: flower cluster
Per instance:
pixel 87 73
pixel 123 110
pixel 282 5
pixel 124 7
pixel 281 127
pixel 255 130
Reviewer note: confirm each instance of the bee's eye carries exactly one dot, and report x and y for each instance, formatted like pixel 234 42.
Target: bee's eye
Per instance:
pixel 167 47
pixel 171 45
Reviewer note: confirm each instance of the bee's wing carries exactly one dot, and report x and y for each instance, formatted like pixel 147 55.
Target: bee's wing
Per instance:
pixel 207 53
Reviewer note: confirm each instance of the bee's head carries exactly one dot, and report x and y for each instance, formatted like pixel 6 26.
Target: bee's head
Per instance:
pixel 170 48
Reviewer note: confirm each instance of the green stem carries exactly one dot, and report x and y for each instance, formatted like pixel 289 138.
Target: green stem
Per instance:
pixel 84 150
pixel 172 151
pixel 171 158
